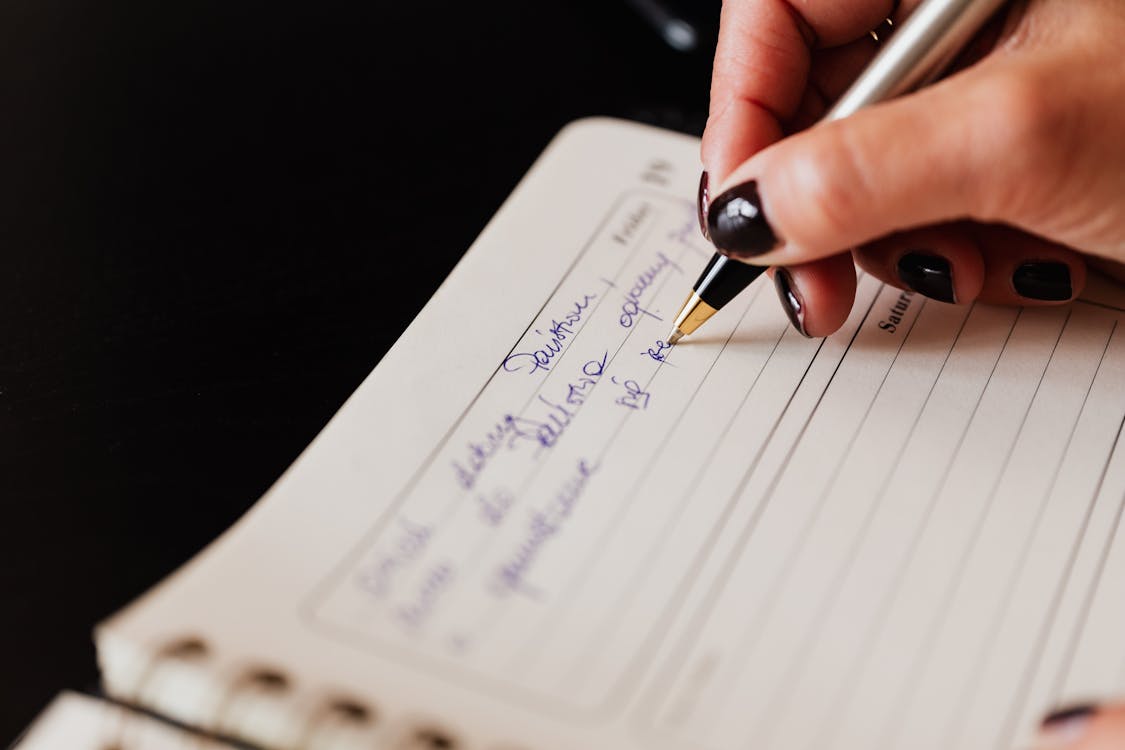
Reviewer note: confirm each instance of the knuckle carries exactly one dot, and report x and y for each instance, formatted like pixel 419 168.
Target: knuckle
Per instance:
pixel 832 185
pixel 1030 130
pixel 1025 110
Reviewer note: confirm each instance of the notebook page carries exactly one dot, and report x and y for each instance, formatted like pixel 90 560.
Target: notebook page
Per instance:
pixel 536 526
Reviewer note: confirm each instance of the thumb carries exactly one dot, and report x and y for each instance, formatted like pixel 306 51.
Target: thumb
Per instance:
pixel 964 148
pixel 1083 728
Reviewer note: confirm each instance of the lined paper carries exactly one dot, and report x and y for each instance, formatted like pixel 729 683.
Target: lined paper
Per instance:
pixel 538 525
pixel 915 488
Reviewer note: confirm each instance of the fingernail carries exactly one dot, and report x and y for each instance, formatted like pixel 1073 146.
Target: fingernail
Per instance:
pixel 1045 281
pixel 927 274
pixel 1065 726
pixel 701 202
pixel 736 224
pixel 790 302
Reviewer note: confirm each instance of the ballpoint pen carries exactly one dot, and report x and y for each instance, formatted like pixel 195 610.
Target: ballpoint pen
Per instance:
pixel 915 55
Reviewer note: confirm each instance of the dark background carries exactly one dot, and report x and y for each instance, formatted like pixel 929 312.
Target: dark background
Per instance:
pixel 203 204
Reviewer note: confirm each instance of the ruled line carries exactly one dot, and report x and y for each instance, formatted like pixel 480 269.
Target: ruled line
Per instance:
pixel 736 662
pixel 1019 704
pixel 919 662
pixel 856 670
pixel 1012 581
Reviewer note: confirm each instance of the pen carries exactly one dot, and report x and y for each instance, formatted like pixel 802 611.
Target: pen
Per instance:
pixel 915 55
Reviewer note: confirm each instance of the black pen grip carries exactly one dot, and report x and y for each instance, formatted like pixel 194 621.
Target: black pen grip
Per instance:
pixel 724 278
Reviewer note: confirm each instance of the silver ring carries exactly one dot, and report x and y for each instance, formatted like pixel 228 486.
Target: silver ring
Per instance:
pixel 882 31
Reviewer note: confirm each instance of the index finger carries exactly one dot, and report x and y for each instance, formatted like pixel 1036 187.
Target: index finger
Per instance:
pixel 762 66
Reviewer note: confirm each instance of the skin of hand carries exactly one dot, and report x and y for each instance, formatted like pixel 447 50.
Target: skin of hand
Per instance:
pixel 1083 728
pixel 999 183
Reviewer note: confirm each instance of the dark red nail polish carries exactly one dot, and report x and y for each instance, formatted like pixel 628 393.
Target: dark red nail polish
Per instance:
pixel 1068 714
pixel 702 202
pixel 1047 281
pixel 927 274
pixel 1065 727
pixel 790 302
pixel 736 224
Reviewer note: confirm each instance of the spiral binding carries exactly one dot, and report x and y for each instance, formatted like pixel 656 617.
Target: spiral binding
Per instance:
pixel 263 705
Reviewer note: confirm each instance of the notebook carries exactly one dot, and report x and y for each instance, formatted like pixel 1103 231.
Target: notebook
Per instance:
pixel 74 720
pixel 536 527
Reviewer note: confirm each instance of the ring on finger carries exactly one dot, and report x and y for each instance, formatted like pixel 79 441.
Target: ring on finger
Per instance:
pixel 883 30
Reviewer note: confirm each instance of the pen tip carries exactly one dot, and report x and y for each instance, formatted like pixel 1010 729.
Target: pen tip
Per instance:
pixel 674 337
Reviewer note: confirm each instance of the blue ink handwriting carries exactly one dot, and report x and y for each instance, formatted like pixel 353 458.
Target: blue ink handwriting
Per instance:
pixel 479 453
pixel 657 351
pixel 436 582
pixel 546 430
pixel 543 431
pixel 377 578
pixel 634 397
pixel 511 576
pixel 558 333
pixel 494 508
pixel 631 308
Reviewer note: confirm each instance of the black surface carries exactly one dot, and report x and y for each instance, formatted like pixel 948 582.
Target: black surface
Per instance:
pixel 201 203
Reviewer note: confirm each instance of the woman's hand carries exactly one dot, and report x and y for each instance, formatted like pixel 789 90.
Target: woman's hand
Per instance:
pixel 997 184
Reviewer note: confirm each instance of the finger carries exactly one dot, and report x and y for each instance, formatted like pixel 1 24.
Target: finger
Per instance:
pixel 833 70
pixel 965 262
pixel 1021 269
pixel 960 149
pixel 761 68
pixel 817 296
pixel 943 263
pixel 1083 727
pixel 1112 269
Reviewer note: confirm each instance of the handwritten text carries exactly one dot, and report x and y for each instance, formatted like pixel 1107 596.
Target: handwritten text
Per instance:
pixel 549 424
pixel 631 308
pixel 551 343
pixel 544 524
pixel 635 397
pixel 377 578
pixel 543 429
pixel 656 352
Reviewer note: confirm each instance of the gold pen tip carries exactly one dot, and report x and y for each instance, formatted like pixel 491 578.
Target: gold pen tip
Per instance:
pixel 692 315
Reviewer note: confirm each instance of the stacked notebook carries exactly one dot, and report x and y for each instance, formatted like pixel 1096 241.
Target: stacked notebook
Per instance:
pixel 534 527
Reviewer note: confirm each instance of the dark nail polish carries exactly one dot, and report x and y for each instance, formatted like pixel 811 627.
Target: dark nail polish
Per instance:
pixel 1043 281
pixel 927 274
pixel 1066 727
pixel 702 202
pixel 736 224
pixel 791 303
pixel 1068 714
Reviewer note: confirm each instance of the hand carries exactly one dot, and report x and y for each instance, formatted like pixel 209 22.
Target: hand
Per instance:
pixel 998 184
pixel 1083 728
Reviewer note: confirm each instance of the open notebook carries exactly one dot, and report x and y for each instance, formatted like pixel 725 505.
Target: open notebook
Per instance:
pixel 75 722
pixel 534 527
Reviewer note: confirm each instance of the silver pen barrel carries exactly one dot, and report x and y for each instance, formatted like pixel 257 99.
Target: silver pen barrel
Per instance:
pixel 917 52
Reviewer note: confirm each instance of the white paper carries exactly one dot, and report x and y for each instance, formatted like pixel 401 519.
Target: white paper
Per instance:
pixel 80 722
pixel 533 526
